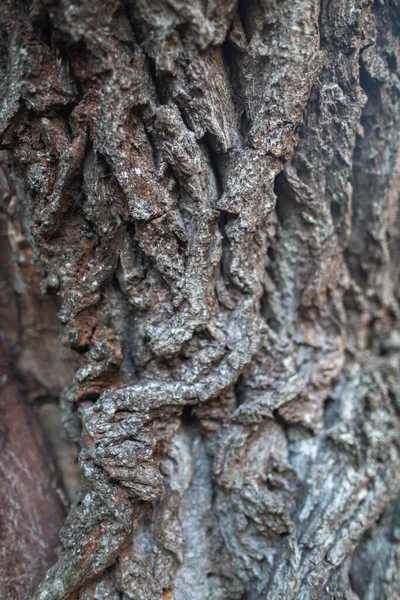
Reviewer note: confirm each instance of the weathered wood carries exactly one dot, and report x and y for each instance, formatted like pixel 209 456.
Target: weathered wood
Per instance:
pixel 212 190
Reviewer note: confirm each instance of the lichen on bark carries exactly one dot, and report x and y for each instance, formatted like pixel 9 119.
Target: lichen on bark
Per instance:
pixel 211 189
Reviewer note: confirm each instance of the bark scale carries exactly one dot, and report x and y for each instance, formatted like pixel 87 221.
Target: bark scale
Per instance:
pixel 212 191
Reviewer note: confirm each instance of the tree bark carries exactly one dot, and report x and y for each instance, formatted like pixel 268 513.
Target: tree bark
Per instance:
pixel 211 190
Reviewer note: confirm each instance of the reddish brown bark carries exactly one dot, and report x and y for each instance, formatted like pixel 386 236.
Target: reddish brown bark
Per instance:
pixel 33 368
pixel 31 508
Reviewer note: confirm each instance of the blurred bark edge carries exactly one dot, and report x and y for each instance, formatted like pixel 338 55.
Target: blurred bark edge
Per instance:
pixel 31 511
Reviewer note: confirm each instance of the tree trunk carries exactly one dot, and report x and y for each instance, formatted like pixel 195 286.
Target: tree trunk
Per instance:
pixel 211 190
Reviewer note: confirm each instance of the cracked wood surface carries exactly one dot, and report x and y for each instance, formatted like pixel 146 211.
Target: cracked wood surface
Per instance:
pixel 212 191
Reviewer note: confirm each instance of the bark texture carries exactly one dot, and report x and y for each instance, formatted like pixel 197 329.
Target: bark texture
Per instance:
pixel 212 191
pixel 33 368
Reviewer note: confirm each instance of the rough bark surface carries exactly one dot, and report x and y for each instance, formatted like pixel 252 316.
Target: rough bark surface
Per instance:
pixel 212 191
pixel 33 369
